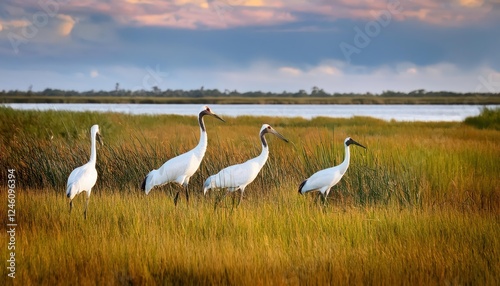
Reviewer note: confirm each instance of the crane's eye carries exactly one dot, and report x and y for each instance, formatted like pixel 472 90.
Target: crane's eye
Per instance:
pixel 268 127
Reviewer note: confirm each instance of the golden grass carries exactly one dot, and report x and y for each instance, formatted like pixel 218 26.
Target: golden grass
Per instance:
pixel 421 206
pixel 284 239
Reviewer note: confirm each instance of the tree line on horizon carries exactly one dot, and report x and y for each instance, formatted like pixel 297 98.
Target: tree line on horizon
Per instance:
pixel 202 92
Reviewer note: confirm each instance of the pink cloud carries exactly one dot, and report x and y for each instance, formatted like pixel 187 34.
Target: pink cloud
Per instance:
pixel 436 12
pixel 220 14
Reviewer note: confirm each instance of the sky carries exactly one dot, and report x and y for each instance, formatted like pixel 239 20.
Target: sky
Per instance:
pixel 251 45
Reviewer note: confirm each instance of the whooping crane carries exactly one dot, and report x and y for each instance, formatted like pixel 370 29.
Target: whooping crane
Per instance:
pixel 237 177
pixel 83 178
pixel 324 180
pixel 180 169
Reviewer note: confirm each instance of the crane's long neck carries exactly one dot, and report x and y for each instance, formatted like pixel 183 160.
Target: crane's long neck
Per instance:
pixel 345 164
pixel 93 153
pixel 202 145
pixel 262 158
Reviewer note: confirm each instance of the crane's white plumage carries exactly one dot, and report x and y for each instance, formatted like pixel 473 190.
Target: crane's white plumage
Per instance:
pixel 83 178
pixel 180 169
pixel 237 177
pixel 324 180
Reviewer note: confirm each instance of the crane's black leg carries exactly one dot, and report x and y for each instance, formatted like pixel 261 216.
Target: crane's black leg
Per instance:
pixel 233 195
pixel 70 206
pixel 241 198
pixel 324 200
pixel 176 198
pixel 187 195
pixel 86 206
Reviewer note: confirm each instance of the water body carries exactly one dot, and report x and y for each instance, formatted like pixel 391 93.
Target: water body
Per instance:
pixel 385 112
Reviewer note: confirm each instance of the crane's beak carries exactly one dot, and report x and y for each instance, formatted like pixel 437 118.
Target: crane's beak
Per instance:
pixel 209 112
pixel 356 143
pixel 217 116
pixel 279 135
pixel 99 138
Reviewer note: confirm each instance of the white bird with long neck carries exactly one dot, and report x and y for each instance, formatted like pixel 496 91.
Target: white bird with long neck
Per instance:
pixel 237 177
pixel 83 178
pixel 180 169
pixel 324 180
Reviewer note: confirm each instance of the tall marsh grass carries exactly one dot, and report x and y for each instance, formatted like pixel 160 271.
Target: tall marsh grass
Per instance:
pixel 489 118
pixel 284 239
pixel 420 206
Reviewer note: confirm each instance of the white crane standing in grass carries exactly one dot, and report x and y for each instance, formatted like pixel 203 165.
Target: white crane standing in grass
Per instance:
pixel 83 178
pixel 237 177
pixel 180 169
pixel 324 180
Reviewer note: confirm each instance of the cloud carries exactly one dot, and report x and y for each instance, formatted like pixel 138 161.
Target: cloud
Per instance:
pixel 65 25
pixel 326 69
pixel 336 76
pixel 24 32
pixel 222 14
pixel 435 12
pixel 213 15
pixel 329 75
pixel 254 44
pixel 471 3
pixel 290 71
pixel 186 14
pixel 14 24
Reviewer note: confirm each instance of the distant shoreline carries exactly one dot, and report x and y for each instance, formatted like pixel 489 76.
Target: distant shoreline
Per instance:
pixel 465 100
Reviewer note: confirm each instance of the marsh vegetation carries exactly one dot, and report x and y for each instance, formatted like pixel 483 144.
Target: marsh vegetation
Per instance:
pixel 420 206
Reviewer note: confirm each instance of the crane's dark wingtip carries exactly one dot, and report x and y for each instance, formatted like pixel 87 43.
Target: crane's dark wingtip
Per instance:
pixel 301 186
pixel 143 185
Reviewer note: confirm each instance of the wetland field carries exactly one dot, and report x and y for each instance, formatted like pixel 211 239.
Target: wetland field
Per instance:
pixel 419 206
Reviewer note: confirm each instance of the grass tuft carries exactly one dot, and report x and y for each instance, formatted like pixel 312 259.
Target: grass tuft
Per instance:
pixel 487 119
